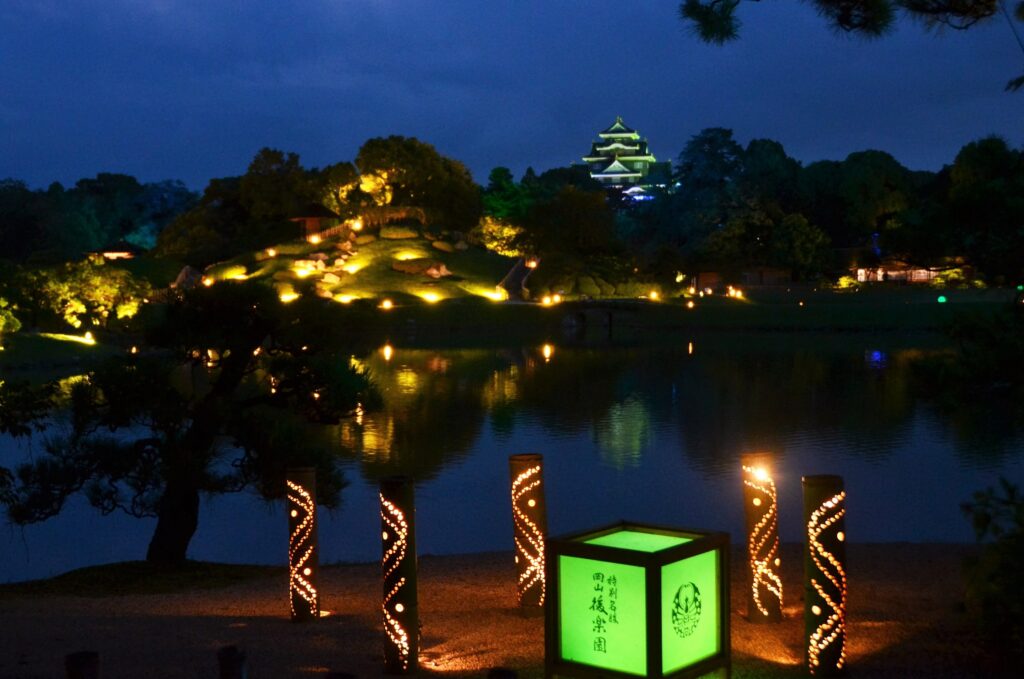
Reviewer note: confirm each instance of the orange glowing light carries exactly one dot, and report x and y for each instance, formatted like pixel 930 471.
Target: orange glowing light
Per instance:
pixel 207 281
pixel 387 304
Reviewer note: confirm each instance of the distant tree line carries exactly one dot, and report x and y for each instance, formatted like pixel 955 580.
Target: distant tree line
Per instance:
pixel 731 208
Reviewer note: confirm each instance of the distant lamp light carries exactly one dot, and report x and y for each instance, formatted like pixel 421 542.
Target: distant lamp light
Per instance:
pixel 764 594
pixel 653 295
pixel 556 299
pixel 398 564
pixel 530 527
pixel 942 299
pixel 431 297
pixel 387 304
pixel 825 575
pixel 271 252
pixel 302 544
pixel 314 239
pixel 87 338
pixel 134 350
pixel 357 225
pixel 207 281
pixel 690 304
pixel 531 263
pixel 547 351
pixel 546 300
pixel 387 351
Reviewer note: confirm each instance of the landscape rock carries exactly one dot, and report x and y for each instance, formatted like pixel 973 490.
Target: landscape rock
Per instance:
pixel 398 232
pixel 443 246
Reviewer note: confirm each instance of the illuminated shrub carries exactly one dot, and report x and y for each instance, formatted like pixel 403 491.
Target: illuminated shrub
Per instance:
pixel 634 600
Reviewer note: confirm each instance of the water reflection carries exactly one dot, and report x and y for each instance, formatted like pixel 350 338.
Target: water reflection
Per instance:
pixel 736 394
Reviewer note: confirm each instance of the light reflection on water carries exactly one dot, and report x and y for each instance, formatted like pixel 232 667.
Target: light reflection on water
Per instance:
pixel 649 434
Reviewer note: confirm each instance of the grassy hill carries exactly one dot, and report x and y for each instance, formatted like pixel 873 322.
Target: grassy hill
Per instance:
pixel 402 269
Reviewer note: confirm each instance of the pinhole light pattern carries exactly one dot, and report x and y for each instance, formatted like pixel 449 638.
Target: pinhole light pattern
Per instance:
pixel 302 554
pixel 530 527
pixel 398 564
pixel 826 586
pixel 761 509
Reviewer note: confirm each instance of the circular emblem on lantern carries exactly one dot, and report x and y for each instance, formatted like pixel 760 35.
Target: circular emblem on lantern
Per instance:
pixel 686 609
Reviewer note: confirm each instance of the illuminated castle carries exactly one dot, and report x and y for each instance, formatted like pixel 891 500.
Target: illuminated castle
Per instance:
pixel 621 159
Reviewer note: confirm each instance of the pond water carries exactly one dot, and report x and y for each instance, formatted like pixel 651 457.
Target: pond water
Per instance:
pixel 646 433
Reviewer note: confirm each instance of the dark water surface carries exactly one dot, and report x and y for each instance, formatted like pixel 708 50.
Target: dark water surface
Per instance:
pixel 649 433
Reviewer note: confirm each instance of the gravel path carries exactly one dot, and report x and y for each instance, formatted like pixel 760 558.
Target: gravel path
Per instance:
pixel 905 618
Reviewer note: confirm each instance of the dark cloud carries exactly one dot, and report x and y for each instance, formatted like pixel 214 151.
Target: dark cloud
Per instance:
pixel 186 89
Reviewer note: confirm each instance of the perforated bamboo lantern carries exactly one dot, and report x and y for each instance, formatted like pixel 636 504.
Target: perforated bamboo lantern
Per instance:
pixel 761 509
pixel 399 606
pixel 825 575
pixel 303 554
pixel 529 518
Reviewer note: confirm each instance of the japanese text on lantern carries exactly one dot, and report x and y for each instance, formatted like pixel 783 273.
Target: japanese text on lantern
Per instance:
pixel 604 606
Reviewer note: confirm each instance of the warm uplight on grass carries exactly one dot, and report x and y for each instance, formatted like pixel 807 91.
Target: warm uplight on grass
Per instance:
pixel 430 297
pixel 386 304
pixel 271 252
pixel 356 225
pixel 287 297
pixel 387 351
pixel 653 295
pixel 303 271
pixel 497 295
pixel 314 239
pixel 351 267
pixel 87 338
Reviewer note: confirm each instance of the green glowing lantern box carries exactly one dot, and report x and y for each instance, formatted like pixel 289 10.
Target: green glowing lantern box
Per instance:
pixel 638 600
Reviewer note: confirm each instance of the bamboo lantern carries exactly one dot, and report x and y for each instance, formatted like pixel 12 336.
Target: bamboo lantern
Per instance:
pixel 401 616
pixel 302 544
pixel 825 575
pixel 530 527
pixel 760 502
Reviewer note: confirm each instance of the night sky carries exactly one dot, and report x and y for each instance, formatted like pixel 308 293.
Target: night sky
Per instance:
pixel 191 90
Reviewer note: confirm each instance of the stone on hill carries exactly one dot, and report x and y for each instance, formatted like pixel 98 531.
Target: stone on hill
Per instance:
pixel 443 246
pixel 398 232
pixel 365 238
pixel 188 278
pixel 422 267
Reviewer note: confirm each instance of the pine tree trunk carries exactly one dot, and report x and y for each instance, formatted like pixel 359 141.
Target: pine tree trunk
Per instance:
pixel 176 524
